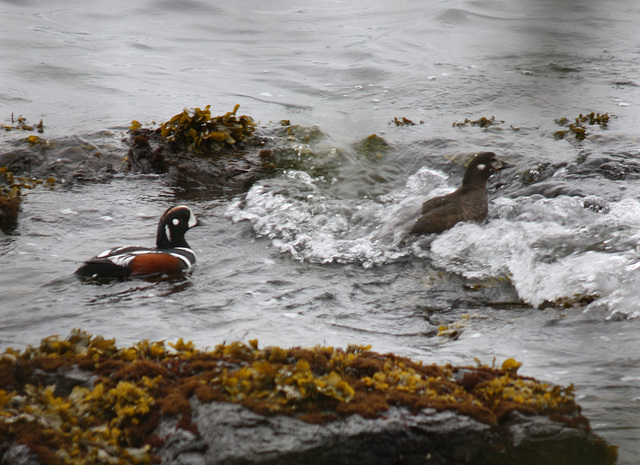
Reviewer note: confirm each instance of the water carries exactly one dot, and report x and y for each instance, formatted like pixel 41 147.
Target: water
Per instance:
pixel 319 254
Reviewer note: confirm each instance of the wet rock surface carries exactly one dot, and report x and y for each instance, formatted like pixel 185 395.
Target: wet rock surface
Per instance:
pixel 229 172
pixel 98 158
pixel 71 159
pixel 231 434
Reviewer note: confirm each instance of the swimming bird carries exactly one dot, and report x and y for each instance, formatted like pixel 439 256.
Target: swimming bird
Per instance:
pixel 467 203
pixel 172 255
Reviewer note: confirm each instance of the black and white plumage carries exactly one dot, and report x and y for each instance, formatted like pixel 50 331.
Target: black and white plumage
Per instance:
pixel 172 254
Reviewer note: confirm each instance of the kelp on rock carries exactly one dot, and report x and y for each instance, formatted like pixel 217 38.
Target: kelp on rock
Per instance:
pixel 83 400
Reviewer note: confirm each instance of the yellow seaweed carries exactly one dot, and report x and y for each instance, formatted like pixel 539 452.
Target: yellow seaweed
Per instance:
pixel 200 132
pixel 135 385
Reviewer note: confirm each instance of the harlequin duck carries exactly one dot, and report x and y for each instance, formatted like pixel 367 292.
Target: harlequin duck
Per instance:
pixel 467 203
pixel 171 255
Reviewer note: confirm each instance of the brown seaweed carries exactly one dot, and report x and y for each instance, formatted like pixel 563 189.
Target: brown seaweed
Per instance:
pixel 578 127
pixel 113 413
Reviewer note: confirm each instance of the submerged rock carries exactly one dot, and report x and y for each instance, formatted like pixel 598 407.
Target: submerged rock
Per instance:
pixel 89 158
pixel 83 400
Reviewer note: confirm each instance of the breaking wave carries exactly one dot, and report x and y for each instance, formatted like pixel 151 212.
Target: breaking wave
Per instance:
pixel 555 251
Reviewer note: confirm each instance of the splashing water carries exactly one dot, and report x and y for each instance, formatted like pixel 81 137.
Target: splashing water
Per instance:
pixel 301 218
pixel 554 251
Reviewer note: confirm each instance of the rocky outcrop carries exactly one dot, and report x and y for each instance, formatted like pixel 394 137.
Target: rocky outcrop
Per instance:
pixel 229 172
pixel 232 434
pixel 198 151
pixel 83 400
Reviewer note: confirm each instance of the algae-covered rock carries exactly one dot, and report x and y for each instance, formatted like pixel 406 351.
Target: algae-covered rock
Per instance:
pixel 229 172
pixel 84 400
pixel 10 200
pixel 11 187
pixel 219 154
pixel 225 155
pixel 372 147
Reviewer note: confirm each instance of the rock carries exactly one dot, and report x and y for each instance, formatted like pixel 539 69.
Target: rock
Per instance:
pixel 99 157
pixel 232 434
pixel 9 209
pixel 236 435
pixel 76 399
pixel 230 172
pixel 66 159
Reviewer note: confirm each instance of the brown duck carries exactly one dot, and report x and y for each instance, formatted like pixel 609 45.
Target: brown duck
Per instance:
pixel 467 203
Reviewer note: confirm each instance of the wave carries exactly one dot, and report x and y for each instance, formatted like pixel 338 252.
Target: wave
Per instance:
pixel 554 251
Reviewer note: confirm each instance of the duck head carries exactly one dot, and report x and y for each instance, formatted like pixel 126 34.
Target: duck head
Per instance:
pixel 173 225
pixel 481 166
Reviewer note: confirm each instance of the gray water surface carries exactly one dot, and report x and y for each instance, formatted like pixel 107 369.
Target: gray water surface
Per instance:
pixel 319 255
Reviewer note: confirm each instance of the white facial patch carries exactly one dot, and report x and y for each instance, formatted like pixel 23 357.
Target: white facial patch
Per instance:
pixel 167 232
pixel 192 220
pixel 496 165
pixel 481 166
pixel 175 221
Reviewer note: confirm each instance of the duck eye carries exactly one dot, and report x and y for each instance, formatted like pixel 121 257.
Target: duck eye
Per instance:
pixel 176 222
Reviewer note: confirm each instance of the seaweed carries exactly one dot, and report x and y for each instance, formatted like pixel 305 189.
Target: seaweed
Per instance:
pixel 403 121
pixel 205 134
pixel 20 123
pixel 578 127
pixel 482 122
pixel 11 187
pixel 112 415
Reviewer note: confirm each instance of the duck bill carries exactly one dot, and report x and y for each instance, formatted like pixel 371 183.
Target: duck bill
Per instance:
pixel 505 165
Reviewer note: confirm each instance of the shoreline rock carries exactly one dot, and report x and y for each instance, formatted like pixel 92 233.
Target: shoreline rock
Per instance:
pixel 232 434
pixel 83 400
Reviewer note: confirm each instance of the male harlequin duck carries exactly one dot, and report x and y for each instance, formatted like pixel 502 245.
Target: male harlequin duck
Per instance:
pixel 468 203
pixel 171 255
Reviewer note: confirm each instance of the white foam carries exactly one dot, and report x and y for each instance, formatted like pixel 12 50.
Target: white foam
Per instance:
pixel 303 220
pixel 551 249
